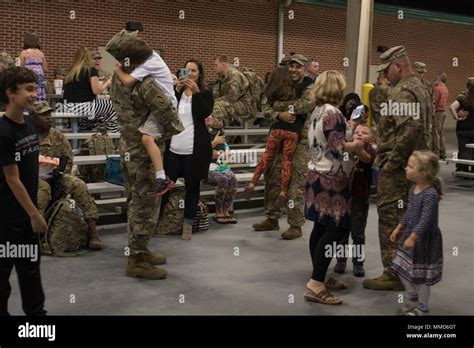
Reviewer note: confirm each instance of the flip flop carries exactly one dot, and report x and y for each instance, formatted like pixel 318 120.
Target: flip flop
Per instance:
pixel 220 220
pixel 321 297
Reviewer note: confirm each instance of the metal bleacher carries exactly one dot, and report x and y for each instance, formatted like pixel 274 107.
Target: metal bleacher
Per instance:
pixel 111 198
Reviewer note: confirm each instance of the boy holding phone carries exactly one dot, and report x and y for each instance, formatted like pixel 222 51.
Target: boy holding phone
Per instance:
pixel 21 221
pixel 138 57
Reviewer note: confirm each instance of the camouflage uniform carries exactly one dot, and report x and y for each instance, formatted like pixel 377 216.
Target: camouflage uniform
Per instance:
pixel 420 67
pixel 104 76
pixel 397 138
pixel 55 144
pixel 295 195
pixel 231 97
pixel 133 105
pixel 377 96
pixel 6 62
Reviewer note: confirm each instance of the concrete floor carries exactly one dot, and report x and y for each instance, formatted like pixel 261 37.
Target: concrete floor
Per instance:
pixel 263 280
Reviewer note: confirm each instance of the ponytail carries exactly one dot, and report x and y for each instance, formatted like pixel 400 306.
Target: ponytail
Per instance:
pixel 438 185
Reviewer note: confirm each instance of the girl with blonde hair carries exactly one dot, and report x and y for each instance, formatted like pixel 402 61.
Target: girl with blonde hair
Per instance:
pixel 419 258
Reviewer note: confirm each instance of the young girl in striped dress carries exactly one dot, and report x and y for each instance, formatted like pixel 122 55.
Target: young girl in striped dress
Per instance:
pixel 419 259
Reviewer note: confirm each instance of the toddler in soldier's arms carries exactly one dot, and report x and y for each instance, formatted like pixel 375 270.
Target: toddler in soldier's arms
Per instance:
pixel 136 56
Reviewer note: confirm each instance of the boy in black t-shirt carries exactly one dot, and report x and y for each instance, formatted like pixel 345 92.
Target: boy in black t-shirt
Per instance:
pixel 20 221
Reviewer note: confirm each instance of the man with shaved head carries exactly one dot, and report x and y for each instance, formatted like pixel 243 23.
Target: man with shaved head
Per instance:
pixel 401 129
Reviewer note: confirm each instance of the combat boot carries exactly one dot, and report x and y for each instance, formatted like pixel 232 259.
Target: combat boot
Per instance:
pixel 155 258
pixel 93 240
pixel 267 225
pixel 139 267
pixel 292 232
pixel 386 281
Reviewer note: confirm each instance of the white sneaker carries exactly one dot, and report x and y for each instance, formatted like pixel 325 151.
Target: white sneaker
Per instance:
pixel 415 312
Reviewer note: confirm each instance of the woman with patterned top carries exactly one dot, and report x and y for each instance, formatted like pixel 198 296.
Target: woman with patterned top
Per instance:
pixel 328 182
pixel 33 59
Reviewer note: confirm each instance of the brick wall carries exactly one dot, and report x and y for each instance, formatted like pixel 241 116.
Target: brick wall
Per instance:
pixel 243 29
pixel 246 29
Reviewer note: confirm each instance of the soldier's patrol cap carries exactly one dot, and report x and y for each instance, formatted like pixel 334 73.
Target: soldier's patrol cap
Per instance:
pixel 60 71
pixel 420 67
pixel 6 60
pixel 298 58
pixel 96 55
pixel 390 55
pixel 42 107
pixel 470 81
pixel 117 43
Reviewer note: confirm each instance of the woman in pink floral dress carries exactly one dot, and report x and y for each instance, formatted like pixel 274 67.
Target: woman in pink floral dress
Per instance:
pixel 328 182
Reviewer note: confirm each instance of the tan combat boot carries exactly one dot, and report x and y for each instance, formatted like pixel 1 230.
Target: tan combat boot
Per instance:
pixel 94 242
pixel 155 258
pixel 139 267
pixel 267 225
pixel 292 232
pixel 187 231
pixel 386 281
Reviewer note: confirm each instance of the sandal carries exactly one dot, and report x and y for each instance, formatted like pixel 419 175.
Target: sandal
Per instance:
pixel 334 284
pixel 220 219
pixel 322 297
pixel 231 220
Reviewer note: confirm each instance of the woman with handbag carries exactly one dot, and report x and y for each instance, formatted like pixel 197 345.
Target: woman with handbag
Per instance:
pixel 189 153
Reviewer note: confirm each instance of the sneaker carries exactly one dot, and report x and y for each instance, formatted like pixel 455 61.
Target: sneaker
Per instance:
pixel 416 312
pixel 161 186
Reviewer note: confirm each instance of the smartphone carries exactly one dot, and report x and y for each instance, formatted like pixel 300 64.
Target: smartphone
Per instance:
pixel 184 73
pixel 357 112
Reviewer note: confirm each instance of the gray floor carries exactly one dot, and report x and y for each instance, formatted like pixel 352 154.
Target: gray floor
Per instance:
pixel 267 278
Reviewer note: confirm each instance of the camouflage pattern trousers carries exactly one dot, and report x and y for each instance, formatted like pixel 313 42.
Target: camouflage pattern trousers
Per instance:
pixel 295 195
pixel 142 209
pixel 73 186
pixel 225 112
pixel 392 202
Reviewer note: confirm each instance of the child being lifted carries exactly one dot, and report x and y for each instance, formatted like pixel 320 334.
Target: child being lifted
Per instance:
pixel 137 57
pixel 282 135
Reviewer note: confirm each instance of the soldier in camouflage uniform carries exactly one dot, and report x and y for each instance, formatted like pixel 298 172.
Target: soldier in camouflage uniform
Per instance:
pixel 6 62
pixel 133 105
pixel 398 135
pixel 231 94
pixel 96 63
pixel 295 196
pixel 53 143
pixel 420 69
pixel 377 96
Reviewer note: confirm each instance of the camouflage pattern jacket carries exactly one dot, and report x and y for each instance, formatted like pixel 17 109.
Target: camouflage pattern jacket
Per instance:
pixel 401 132
pixel 55 144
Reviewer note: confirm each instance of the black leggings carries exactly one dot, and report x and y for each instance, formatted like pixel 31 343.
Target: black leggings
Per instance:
pixel 181 166
pixel 323 236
